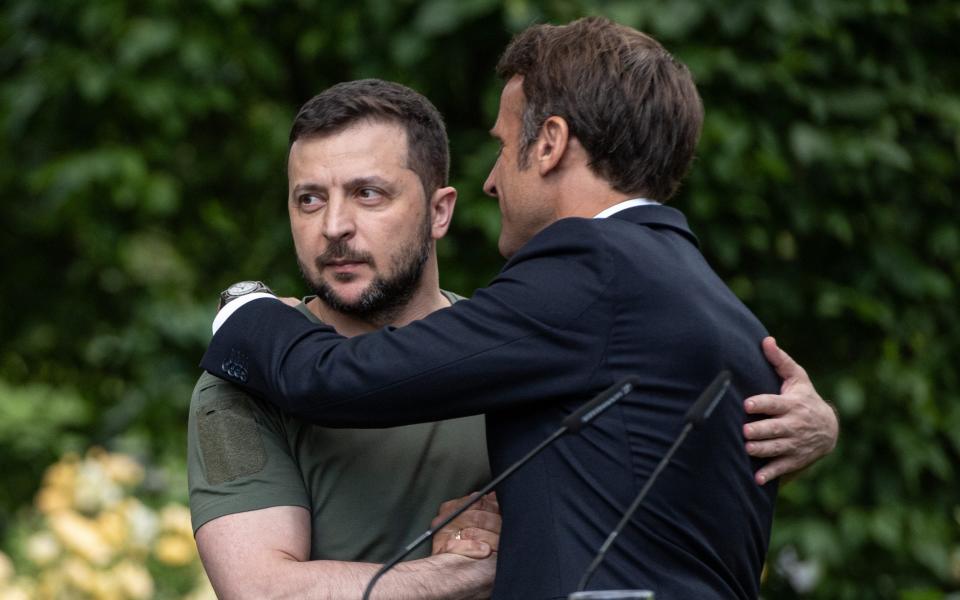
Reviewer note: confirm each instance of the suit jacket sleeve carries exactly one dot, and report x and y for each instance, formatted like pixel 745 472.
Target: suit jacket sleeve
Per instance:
pixel 530 336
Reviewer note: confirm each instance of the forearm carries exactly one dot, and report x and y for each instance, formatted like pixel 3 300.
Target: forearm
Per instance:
pixel 439 577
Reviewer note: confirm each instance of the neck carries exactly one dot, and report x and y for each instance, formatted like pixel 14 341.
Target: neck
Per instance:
pixel 589 204
pixel 579 192
pixel 425 299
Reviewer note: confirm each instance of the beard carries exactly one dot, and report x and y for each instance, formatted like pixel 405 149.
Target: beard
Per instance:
pixel 389 292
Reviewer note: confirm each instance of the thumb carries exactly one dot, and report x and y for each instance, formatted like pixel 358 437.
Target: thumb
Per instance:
pixel 786 367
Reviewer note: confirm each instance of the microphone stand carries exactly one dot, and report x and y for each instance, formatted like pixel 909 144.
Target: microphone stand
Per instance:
pixel 696 415
pixel 571 424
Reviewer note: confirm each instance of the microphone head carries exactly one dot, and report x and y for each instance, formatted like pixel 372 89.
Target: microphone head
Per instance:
pixel 577 420
pixel 708 400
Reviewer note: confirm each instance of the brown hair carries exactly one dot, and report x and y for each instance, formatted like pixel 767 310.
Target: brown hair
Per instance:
pixel 344 104
pixel 633 107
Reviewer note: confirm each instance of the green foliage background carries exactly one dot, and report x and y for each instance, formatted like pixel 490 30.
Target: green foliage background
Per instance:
pixel 142 170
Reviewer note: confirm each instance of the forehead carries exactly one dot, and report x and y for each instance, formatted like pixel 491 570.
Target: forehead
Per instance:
pixel 360 149
pixel 511 104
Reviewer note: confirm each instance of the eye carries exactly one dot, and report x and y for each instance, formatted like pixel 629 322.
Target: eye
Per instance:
pixel 370 194
pixel 310 202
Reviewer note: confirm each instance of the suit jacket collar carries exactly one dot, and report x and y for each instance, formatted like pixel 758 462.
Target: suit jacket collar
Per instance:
pixel 658 215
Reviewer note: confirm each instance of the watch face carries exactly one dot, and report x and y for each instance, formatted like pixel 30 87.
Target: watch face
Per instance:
pixel 244 287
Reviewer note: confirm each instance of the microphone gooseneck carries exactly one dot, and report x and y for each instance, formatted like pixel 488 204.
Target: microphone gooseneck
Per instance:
pixel 571 424
pixel 695 417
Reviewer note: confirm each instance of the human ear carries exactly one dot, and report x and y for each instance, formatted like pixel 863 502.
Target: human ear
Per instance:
pixel 552 144
pixel 442 203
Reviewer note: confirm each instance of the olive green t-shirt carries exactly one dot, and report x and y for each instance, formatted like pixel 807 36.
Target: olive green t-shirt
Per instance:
pixel 369 491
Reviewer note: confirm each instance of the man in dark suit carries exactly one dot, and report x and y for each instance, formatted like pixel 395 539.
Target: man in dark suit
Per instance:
pixel 598 125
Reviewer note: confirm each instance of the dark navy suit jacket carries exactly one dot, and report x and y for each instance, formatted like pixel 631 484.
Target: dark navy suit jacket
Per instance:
pixel 582 304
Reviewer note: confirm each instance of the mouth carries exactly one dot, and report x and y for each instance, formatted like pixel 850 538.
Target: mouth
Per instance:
pixel 342 267
pixel 343 262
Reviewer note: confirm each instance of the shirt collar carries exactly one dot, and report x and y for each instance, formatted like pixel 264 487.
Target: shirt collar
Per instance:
pixel 623 206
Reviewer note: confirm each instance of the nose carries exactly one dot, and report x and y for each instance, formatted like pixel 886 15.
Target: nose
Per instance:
pixel 489 187
pixel 338 221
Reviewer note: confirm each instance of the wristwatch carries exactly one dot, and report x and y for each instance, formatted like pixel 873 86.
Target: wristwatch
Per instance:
pixel 242 288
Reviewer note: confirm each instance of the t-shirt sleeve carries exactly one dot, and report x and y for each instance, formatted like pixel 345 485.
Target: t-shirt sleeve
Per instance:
pixel 238 455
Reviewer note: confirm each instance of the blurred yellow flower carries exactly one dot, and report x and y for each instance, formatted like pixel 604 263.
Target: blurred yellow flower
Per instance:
pixel 112 527
pixel 62 474
pixel 78 574
pixel 175 518
pixel 96 535
pixel 18 590
pixel 52 499
pixel 42 548
pixel 133 580
pixel 94 490
pixel 142 521
pixel 122 469
pixel 49 583
pixel 175 550
pixel 6 568
pixel 79 535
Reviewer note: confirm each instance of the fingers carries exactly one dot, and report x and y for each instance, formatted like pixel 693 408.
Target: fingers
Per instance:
pixel 474 542
pixel 774 469
pixel 482 504
pixel 475 534
pixel 804 427
pixel 766 404
pixel 480 519
pixel 769 448
pixel 480 524
pixel 448 507
pixel 783 427
pixel 469 548
pixel 487 503
pixel 289 301
pixel 786 367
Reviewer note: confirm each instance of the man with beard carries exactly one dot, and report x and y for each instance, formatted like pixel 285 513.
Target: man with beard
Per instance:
pixel 281 507
pixel 367 200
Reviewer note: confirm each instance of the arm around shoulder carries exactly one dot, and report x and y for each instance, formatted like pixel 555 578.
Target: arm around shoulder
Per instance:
pixel 438 367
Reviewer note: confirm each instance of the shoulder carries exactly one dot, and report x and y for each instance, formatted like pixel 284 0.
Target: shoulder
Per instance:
pixel 557 275
pixel 210 385
pixel 571 237
pixel 223 413
pixel 212 388
pixel 238 454
pixel 574 246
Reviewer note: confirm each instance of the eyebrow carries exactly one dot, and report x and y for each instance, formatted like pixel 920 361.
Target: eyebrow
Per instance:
pixel 307 187
pixel 368 180
pixel 311 186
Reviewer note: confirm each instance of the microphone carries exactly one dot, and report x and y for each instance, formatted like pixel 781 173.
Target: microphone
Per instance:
pixel 573 423
pixel 695 417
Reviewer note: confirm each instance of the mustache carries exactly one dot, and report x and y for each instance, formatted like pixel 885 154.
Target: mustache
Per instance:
pixel 340 251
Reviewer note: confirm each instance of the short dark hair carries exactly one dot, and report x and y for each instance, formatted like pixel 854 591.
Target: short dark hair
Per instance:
pixel 633 107
pixel 344 104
